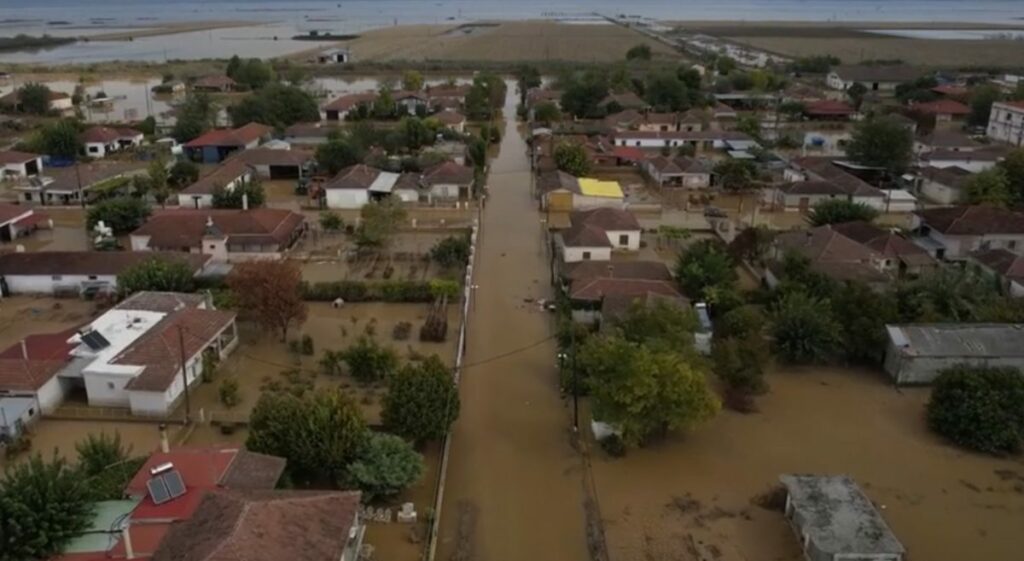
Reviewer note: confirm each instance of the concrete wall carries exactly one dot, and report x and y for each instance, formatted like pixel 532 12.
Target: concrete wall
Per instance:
pixel 632 239
pixel 347 198
pixel 938 193
pixel 187 200
pixel 45 284
pixel 95 149
pixel 107 390
pixel 908 370
pixel 50 395
pixel 577 254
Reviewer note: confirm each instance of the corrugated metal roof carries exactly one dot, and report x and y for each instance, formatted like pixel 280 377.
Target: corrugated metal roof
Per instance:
pixel 978 340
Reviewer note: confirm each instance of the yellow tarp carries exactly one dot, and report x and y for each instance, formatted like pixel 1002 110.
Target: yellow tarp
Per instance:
pixel 598 188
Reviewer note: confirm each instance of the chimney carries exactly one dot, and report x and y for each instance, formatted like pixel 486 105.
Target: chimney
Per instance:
pixel 126 536
pixel 245 201
pixel 165 446
pixel 24 350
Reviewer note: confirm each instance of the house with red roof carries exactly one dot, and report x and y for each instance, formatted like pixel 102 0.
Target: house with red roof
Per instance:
pixel 131 356
pixel 99 141
pixel 229 175
pixel 339 108
pixel 829 110
pixel 215 83
pixel 15 164
pixel 18 221
pixel 680 171
pixel 216 145
pixel 1004 265
pixel 1006 122
pixel 595 233
pixel 451 119
pixel 79 273
pixel 955 232
pixel 447 181
pixel 944 113
pixel 29 369
pixel 227 235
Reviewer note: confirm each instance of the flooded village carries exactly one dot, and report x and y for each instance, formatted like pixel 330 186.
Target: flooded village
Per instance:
pixel 486 290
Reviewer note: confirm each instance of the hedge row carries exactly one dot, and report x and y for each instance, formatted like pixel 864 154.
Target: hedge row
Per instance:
pixel 356 291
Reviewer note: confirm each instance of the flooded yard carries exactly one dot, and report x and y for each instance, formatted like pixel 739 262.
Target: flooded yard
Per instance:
pixel 330 257
pixel 943 503
pixel 21 316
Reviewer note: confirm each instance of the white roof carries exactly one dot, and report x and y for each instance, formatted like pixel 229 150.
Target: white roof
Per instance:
pixel 384 183
pixel 742 144
pixel 740 155
pixel 120 328
pixel 901 195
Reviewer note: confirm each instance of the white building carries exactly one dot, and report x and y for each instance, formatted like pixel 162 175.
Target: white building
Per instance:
pixel 15 165
pixel 1006 122
pixel 130 356
pixel 595 233
pixel 77 272
pixel 229 175
pixel 100 141
pixel 917 354
pixel 874 77
pixel 956 232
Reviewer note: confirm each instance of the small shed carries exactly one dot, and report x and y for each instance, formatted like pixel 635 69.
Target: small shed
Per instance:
pixel 916 354
pixel 835 521
pixel 16 414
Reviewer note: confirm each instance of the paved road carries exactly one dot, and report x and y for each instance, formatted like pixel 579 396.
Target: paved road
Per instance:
pixel 514 488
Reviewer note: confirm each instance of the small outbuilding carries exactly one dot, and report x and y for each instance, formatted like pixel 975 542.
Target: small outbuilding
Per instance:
pixel 835 521
pixel 916 354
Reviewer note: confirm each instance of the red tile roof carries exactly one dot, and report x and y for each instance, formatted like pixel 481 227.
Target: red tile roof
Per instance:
pixel 941 107
pixel 274 157
pixel 358 176
pixel 47 354
pixel 216 81
pixel 223 174
pixel 825 107
pixel 448 173
pixel 107 135
pixel 264 526
pixel 645 270
pixel 346 102
pixel 595 289
pixel 1002 262
pixel 242 136
pixel 606 218
pixel 450 117
pixel 175 229
pixel 49 263
pixel 1013 104
pixel 16 157
pixel 10 212
pixel 973 220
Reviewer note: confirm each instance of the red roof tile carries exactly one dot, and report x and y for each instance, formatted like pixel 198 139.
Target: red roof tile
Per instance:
pixel 826 107
pixel 175 229
pixel 595 289
pixel 242 136
pixel 973 220
pixel 47 355
pixel 941 107
pixel 16 157
pixel 10 212
pixel 49 263
pixel 448 173
pixel 346 102
pixel 223 174
pixel 107 135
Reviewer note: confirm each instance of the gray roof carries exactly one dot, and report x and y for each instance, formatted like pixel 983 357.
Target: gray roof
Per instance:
pixel 958 340
pixel 837 516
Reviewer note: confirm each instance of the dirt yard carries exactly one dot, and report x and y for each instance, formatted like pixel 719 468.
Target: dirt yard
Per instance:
pixel 942 503
pixel 262 363
pixel 506 41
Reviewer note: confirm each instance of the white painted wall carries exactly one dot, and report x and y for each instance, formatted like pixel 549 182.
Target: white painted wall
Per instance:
pixel 632 239
pixel 577 254
pixel 583 202
pixel 938 193
pixel 96 149
pixel 50 395
pixel 107 390
pixel 347 198
pixel 45 284
pixel 186 200
pixel 967 163
pixel 1006 124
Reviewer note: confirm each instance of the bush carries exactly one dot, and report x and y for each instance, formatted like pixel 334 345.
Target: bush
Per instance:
pixel 451 252
pixel 368 361
pixel 422 401
pixel 613 445
pixel 229 392
pixel 386 465
pixel 307 345
pixel 979 408
pixel 357 291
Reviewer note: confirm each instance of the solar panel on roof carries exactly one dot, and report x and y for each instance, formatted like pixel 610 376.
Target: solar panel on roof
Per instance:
pixel 174 483
pixel 158 490
pixel 95 340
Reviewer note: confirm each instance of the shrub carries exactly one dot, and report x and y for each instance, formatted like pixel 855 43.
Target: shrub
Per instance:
pixel 386 465
pixel 229 392
pixel 422 401
pixel 979 408
pixel 451 252
pixel 307 345
pixel 368 361
pixel 613 445
pixel 357 291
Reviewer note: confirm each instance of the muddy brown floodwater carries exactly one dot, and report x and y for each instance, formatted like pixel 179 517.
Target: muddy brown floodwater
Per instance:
pixel 514 482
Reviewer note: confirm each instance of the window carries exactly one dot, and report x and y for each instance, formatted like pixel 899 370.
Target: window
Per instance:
pixel 110 385
pixel 623 239
pixel 213 246
pixel 586 256
pixel 57 278
pixel 94 149
pixel 1012 244
pixel 92 277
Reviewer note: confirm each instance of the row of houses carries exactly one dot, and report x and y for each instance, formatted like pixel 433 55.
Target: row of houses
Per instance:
pixel 357 185
pixel 439 99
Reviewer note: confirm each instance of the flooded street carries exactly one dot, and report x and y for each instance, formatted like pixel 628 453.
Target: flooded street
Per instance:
pixel 514 486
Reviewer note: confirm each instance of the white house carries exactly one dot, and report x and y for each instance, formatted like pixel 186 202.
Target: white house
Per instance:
pixel 688 173
pixel 875 77
pixel 99 141
pixel 29 368
pixel 16 165
pixel 701 141
pixel 955 232
pixel 448 181
pixel 335 56
pixel 595 233
pixel 77 272
pixel 229 175
pixel 131 355
pixel 943 186
pixel 350 188
pixel 830 181
pixel 1006 122
pixel 412 102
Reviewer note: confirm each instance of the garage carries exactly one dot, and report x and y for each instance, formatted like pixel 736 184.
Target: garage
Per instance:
pixel 278 163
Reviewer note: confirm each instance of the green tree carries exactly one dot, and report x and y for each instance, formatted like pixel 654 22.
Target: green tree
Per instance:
pixel 547 112
pixel 147 126
pixel 725 65
pixel 664 91
pixel 749 125
pixel 527 78
pixel 689 76
pixel 979 408
pixel 659 322
pixel 43 505
pixel 331 222
pixel 581 96
pixel 417 133
pixel 34 98
pixel 639 52
pixel 161 275
pixel 385 466
pixel 412 80
pixel 253 73
pixel 862 315
pixel 571 157
pixel 369 361
pixel 856 93
pixel 704 265
pixel 422 401
pixel 949 295
pixel 182 174
pixel 105 462
pixel 881 142
pixel 752 244
pixel 739 363
pixel 251 190
pixel 320 433
pixel 644 391
pixel 803 329
pixel 982 98
pixel 451 252
pixel 195 115
pixel 1013 166
pixel 276 105
pixel 60 138
pixel 741 322
pixel 158 175
pixel 384 106
pixel 379 221
pixel 122 214
pixel 233 65
pixel 337 154
pixel 989 187
pixel 837 211
pixel 735 175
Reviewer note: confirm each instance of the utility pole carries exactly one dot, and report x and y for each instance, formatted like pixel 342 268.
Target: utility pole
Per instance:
pixel 575 381
pixel 184 373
